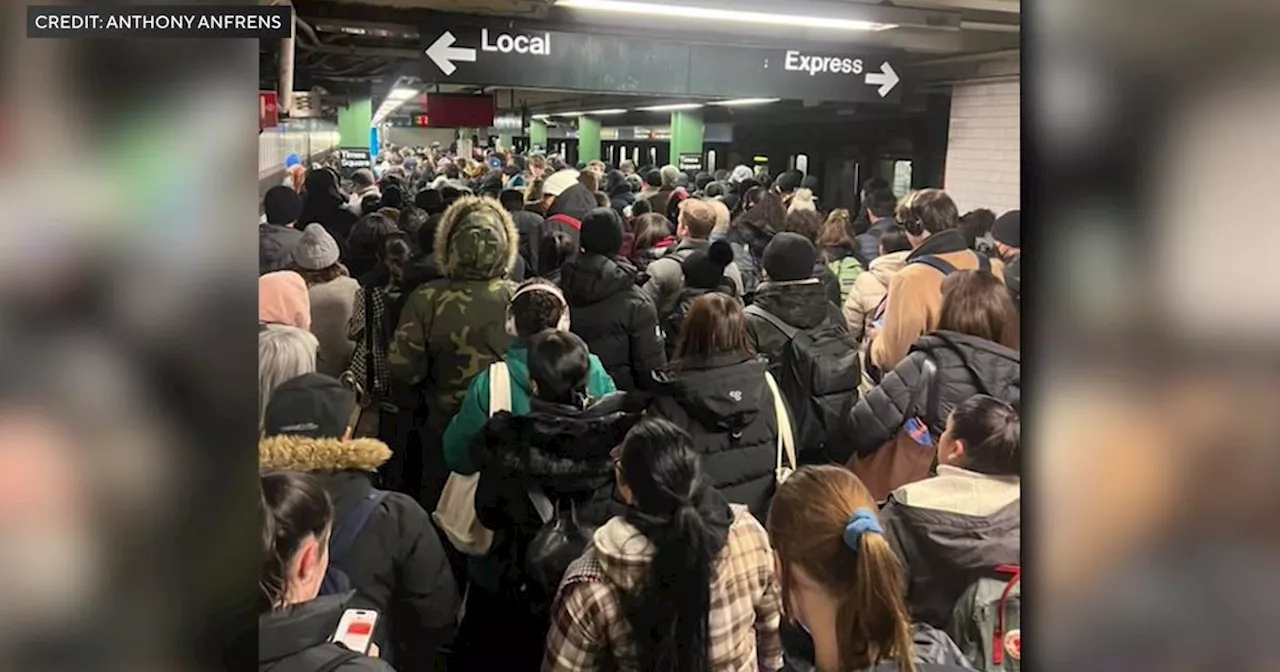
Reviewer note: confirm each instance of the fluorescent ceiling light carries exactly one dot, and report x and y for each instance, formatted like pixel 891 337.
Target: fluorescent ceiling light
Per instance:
pixel 614 110
pixel 401 93
pixel 673 106
pixel 541 116
pixel 717 14
pixel 567 114
pixel 745 101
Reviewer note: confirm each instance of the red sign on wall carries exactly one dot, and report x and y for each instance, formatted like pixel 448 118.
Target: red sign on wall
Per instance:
pixel 268 109
pixel 420 120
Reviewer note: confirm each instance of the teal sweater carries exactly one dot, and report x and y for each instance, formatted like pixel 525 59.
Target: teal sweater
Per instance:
pixel 474 412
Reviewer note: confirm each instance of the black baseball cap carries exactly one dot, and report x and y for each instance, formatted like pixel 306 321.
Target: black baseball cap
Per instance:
pixel 313 405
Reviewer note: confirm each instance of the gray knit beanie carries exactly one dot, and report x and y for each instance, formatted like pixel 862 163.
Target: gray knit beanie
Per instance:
pixel 316 249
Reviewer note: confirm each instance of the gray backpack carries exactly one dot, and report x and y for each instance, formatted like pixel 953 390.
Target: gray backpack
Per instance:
pixel 986 621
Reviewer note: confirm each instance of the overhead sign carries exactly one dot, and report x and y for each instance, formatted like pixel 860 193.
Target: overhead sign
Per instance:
pixel 531 56
pixel 351 159
pixel 690 162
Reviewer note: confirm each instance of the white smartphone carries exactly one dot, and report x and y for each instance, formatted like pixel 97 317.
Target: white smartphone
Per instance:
pixel 355 630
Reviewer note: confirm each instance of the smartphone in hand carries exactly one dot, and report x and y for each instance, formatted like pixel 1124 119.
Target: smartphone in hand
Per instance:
pixel 355 630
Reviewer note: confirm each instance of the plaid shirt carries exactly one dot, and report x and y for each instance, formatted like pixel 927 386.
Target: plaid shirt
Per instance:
pixel 589 630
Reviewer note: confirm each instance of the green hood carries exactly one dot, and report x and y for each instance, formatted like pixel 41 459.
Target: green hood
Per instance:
pixel 476 240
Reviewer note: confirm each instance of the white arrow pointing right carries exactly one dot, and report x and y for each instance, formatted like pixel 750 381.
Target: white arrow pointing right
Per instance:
pixel 886 78
pixel 443 53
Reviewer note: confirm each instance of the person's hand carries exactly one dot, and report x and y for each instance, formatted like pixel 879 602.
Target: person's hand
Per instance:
pixel 373 650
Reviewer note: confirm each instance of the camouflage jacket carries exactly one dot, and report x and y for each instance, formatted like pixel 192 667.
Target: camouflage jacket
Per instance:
pixel 449 331
pixel 454 327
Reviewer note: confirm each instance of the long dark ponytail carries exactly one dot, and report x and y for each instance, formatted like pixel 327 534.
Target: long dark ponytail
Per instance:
pixel 293 506
pixel 686 521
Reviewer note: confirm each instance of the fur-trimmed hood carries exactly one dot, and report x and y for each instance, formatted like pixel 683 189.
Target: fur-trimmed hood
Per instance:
pixel 305 453
pixel 476 240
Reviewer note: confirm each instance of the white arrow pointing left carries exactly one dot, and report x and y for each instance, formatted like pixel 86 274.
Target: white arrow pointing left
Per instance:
pixel 886 78
pixel 443 53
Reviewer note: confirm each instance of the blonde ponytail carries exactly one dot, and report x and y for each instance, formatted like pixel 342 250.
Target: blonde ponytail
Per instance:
pixel 823 520
pixel 873 619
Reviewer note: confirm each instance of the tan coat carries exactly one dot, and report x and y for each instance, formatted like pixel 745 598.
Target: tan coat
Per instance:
pixel 869 289
pixel 915 303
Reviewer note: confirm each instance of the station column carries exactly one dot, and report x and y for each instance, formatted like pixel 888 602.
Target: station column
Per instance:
pixel 686 134
pixel 538 134
pixel 588 139
pixel 353 123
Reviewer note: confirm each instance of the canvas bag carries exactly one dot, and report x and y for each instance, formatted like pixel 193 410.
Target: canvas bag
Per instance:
pixel 455 513
pixel 901 459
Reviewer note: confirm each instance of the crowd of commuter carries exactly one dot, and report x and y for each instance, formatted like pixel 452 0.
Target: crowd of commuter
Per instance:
pixel 534 416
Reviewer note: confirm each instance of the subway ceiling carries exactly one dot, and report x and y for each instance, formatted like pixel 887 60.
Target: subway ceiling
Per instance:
pixel 346 49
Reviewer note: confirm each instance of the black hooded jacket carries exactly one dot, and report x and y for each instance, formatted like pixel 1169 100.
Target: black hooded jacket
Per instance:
pixel 567 211
pixel 801 305
pixel 561 449
pixel 725 405
pixel 966 366
pixel 619 322
pixel 296 639
pixel 323 203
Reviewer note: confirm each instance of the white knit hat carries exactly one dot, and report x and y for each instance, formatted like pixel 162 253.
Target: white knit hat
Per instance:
pixel 316 249
pixel 558 182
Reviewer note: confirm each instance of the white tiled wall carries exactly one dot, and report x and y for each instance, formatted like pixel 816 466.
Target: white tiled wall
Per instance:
pixel 302 137
pixel 984 157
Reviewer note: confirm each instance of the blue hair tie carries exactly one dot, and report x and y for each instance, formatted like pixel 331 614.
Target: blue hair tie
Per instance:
pixel 862 521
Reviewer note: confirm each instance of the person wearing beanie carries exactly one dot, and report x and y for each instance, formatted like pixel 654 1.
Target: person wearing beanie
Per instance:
pixel 282 299
pixel 332 293
pixel 276 236
pixel 791 294
pixel 608 309
pixel 703 274
pixel 696 220
pixel 1007 232
pixel 452 328
pixel 394 560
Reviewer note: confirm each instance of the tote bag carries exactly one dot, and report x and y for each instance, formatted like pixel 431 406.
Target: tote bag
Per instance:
pixel 455 513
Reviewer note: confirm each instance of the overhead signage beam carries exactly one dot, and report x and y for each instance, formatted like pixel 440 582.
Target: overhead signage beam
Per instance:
pixel 511 54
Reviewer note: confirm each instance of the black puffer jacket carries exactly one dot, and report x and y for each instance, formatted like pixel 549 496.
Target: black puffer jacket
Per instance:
pixel 397 564
pixel 801 305
pixel 725 404
pixel 561 449
pixel 615 317
pixel 966 366
pixel 297 638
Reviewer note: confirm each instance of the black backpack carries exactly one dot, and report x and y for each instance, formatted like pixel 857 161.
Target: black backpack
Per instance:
pixel 818 376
